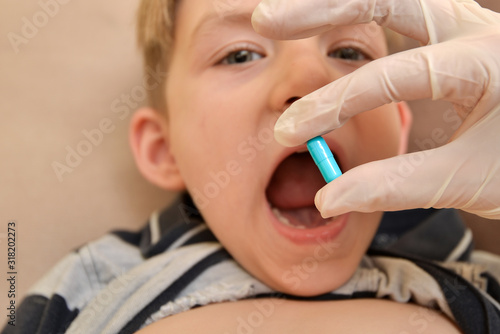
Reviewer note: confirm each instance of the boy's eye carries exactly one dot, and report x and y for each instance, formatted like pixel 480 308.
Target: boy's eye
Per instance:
pixel 240 57
pixel 348 54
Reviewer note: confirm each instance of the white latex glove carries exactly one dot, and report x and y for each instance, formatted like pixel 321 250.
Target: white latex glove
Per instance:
pixel 460 63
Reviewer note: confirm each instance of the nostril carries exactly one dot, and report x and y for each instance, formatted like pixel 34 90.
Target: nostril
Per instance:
pixel 292 100
pixel 289 102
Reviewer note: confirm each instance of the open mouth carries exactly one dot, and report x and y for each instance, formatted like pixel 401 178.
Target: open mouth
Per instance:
pixel 291 192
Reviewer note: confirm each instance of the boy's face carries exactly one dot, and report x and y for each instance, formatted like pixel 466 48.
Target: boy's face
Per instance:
pixel 226 87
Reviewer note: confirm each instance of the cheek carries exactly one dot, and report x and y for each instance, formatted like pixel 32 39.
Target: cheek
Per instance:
pixel 215 156
pixel 378 134
pixel 202 133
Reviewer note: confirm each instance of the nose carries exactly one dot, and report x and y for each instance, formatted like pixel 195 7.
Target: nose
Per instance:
pixel 301 69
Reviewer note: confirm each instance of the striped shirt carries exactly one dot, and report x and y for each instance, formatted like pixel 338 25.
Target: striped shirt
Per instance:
pixel 127 280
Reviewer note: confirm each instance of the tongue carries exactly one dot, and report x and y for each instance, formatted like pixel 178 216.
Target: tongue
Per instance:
pixel 294 184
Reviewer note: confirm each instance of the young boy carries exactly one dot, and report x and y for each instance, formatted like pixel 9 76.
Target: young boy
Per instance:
pixel 248 244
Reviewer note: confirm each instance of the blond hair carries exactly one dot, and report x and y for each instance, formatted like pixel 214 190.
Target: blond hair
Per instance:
pixel 155 36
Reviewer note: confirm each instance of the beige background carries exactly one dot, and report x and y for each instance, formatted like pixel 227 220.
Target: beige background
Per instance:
pixel 61 82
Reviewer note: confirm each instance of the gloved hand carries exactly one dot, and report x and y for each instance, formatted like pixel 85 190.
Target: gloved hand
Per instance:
pixel 460 63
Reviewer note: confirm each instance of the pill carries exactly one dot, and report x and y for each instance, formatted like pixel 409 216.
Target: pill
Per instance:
pixel 323 158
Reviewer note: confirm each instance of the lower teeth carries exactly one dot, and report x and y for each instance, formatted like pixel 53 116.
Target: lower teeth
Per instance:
pixel 286 221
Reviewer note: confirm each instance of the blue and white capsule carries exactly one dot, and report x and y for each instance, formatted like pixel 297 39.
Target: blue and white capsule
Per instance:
pixel 323 158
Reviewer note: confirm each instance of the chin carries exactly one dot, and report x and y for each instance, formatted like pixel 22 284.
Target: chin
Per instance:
pixel 328 264
pixel 311 269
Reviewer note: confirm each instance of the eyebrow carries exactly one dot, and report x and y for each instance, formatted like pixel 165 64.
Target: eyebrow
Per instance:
pixel 214 19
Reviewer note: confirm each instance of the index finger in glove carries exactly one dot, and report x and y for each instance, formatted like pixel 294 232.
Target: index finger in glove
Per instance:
pixel 424 20
pixel 429 72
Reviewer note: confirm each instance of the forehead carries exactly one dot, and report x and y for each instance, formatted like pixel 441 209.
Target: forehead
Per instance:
pixel 206 21
pixel 199 17
pixel 195 16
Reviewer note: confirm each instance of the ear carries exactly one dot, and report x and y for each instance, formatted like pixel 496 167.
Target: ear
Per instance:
pixel 406 119
pixel 149 139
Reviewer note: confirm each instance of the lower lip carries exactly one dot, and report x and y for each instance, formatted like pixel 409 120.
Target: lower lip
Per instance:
pixel 321 234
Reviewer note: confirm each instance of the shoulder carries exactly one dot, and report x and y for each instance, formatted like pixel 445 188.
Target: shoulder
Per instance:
pixel 64 291
pixel 94 262
pixel 287 316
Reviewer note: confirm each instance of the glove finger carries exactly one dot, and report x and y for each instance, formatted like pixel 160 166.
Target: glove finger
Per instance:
pixel 461 174
pixel 285 19
pixel 423 20
pixel 393 184
pixel 428 72
pixel 384 185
